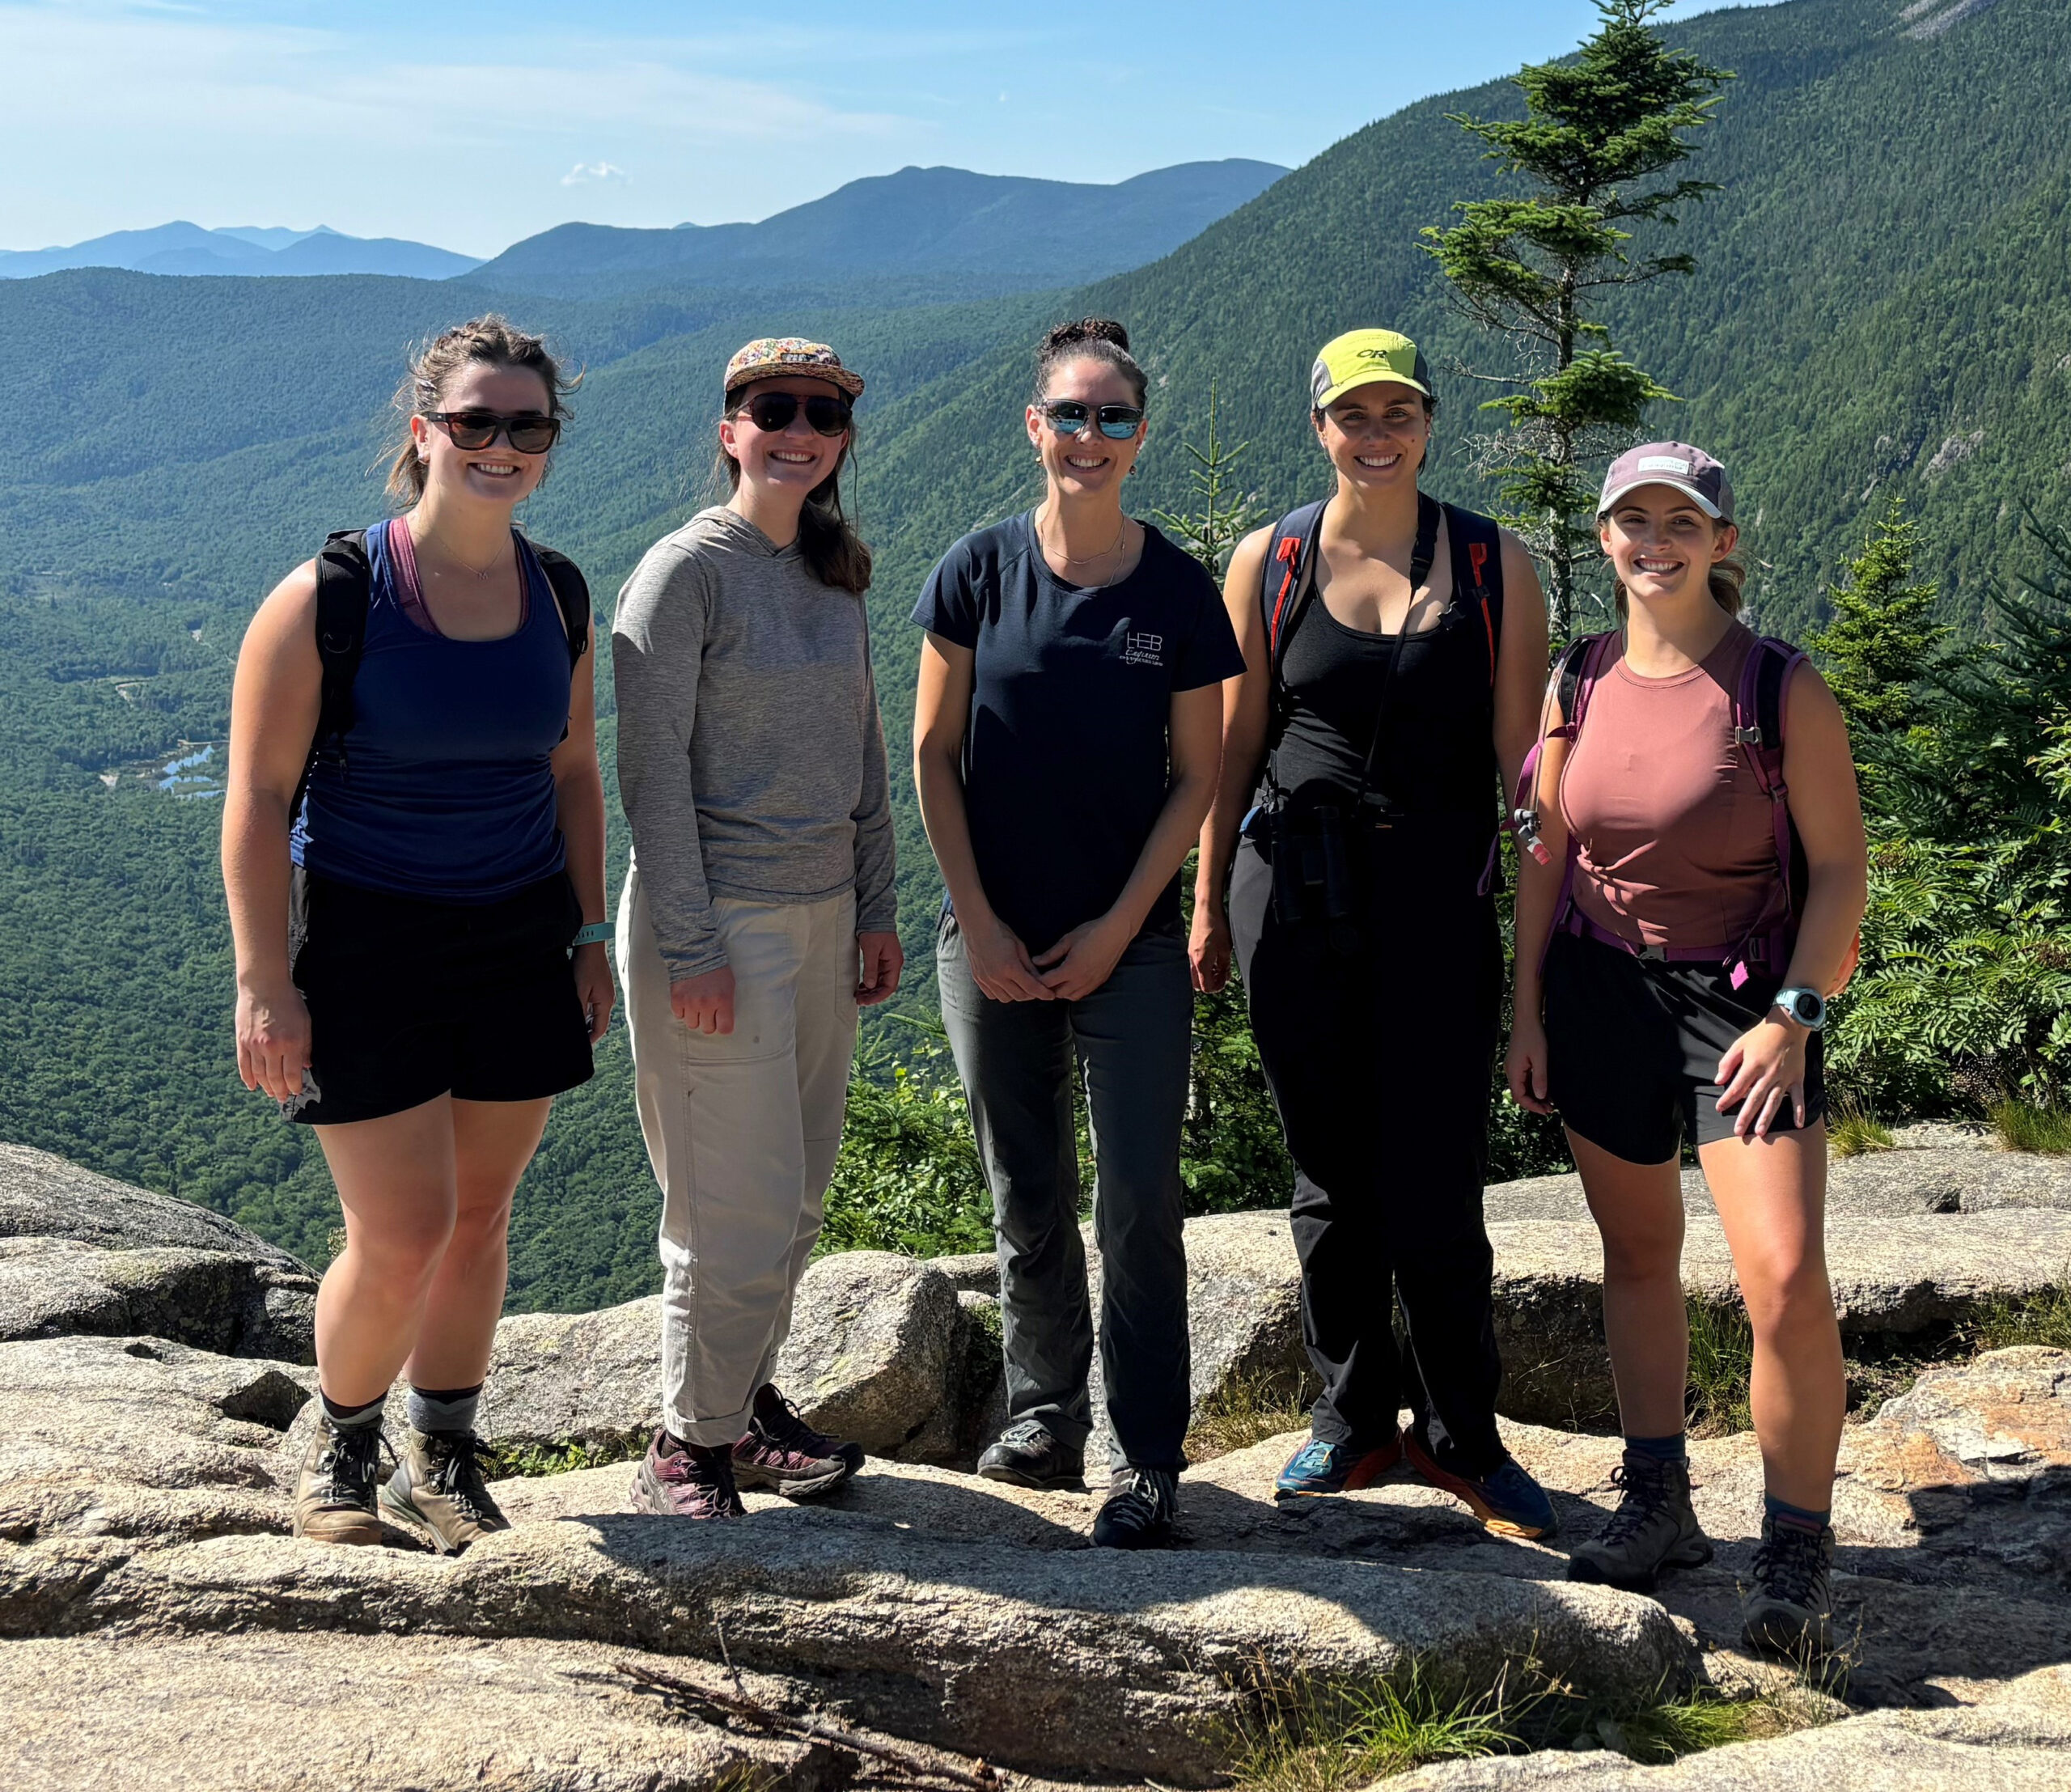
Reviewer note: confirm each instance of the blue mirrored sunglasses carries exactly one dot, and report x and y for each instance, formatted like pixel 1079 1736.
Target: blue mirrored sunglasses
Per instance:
pixel 1068 417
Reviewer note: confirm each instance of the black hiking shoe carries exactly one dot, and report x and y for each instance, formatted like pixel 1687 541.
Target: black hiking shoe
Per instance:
pixel 1142 1504
pixel 438 1488
pixel 1653 1527
pixel 1790 1612
pixel 687 1480
pixel 334 1498
pixel 784 1453
pixel 1027 1456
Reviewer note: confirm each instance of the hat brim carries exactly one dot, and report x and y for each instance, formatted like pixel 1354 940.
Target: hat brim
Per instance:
pixel 1331 394
pixel 850 382
pixel 1603 504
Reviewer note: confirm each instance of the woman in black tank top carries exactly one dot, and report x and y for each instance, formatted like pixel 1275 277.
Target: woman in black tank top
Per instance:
pixel 1394 650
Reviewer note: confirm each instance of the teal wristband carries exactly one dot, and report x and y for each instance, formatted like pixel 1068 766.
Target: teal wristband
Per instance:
pixel 595 933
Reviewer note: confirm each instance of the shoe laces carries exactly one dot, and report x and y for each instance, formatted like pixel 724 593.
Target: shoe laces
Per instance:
pixel 351 1461
pixel 788 1429
pixel 1316 1457
pixel 1643 1490
pixel 1144 1496
pixel 456 1460
pixel 1788 1560
pixel 1025 1431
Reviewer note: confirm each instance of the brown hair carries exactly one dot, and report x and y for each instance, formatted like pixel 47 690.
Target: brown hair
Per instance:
pixel 492 341
pixel 1726 578
pixel 1089 339
pixel 834 553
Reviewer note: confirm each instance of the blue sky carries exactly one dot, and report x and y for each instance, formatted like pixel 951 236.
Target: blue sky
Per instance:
pixel 473 126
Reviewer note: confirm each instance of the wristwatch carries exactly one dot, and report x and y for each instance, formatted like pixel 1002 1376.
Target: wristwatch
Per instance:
pixel 1804 1005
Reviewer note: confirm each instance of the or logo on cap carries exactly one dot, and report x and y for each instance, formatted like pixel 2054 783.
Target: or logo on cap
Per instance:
pixel 1374 354
pixel 1663 464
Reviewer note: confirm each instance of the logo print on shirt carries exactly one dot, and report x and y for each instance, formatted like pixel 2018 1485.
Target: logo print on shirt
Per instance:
pixel 1143 650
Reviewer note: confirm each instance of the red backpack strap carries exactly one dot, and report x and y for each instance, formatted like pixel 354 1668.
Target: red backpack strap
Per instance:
pixel 1284 582
pixel 1477 545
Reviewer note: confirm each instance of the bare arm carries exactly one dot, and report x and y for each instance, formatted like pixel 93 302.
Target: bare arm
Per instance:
pixel 1245 706
pixel 1000 963
pixel 274 702
pixel 579 785
pixel 1520 693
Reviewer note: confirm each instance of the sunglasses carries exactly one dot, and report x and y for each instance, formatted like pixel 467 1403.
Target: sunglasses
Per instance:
pixel 527 432
pixel 1068 417
pixel 774 411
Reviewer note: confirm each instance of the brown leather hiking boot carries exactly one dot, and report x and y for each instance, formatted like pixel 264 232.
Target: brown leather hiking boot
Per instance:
pixel 334 1493
pixel 687 1480
pixel 785 1454
pixel 438 1488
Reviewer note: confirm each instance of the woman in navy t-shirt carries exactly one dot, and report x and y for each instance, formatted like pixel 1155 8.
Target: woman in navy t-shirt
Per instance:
pixel 1066 737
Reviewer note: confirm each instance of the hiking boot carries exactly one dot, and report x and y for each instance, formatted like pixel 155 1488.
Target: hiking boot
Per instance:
pixel 438 1488
pixel 687 1480
pixel 1027 1456
pixel 1319 1468
pixel 1790 1611
pixel 1506 1500
pixel 784 1453
pixel 334 1494
pixel 1139 1511
pixel 1652 1528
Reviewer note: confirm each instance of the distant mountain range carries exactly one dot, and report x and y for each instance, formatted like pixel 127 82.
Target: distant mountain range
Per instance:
pixel 995 233
pixel 182 247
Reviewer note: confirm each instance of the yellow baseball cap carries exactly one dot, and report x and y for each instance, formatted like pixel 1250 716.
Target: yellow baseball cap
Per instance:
pixel 1358 358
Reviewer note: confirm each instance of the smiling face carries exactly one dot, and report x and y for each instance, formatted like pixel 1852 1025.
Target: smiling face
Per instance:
pixel 1662 544
pixel 1376 434
pixel 1079 466
pixel 796 459
pixel 498 474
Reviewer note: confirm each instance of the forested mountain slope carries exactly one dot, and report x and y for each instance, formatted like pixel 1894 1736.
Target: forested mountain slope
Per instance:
pixel 1881 304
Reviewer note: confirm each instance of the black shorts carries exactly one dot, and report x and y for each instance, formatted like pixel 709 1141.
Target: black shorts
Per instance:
pixel 1633 1048
pixel 410 999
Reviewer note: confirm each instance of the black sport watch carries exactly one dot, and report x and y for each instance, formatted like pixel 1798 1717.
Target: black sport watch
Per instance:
pixel 1804 1005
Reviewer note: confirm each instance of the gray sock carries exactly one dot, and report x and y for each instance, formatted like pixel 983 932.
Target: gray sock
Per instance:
pixel 347 1418
pixel 444 1409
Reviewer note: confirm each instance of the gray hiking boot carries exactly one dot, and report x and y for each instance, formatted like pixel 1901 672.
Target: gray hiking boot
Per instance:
pixel 1652 1528
pixel 438 1489
pixel 334 1493
pixel 1790 1612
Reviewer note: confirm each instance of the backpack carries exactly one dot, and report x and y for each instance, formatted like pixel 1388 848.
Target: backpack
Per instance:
pixel 344 580
pixel 1758 730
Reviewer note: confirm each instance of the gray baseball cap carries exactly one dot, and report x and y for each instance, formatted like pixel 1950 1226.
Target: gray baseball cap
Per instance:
pixel 1690 471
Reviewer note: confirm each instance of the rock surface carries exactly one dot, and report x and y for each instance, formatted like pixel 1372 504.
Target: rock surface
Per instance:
pixel 44 1196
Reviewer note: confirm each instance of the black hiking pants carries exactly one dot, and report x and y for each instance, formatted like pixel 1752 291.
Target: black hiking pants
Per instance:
pixel 1378 1046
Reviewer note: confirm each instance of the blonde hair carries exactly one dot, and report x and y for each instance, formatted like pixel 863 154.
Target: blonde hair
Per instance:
pixel 492 341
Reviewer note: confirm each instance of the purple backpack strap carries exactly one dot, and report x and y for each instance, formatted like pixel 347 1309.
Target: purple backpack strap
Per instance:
pixel 1588 668
pixel 1759 703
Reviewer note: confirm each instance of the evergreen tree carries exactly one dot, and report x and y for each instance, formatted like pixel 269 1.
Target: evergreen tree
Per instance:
pixel 1601 133
pixel 1224 515
pixel 1881 643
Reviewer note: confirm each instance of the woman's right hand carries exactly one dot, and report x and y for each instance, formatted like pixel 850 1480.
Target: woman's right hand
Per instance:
pixel 1000 963
pixel 1524 1065
pixel 705 1003
pixel 272 1039
pixel 1209 946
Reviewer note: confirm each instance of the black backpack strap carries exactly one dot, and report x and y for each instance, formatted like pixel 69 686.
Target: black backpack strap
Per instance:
pixel 344 579
pixel 1285 584
pixel 571 591
pixel 1477 552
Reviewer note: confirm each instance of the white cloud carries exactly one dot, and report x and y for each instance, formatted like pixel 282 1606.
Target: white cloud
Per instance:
pixel 584 172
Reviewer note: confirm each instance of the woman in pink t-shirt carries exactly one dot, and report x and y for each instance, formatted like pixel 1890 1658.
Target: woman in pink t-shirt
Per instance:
pixel 1682 991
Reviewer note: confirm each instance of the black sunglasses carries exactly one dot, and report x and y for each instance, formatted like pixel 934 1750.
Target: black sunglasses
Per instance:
pixel 527 432
pixel 1068 417
pixel 773 412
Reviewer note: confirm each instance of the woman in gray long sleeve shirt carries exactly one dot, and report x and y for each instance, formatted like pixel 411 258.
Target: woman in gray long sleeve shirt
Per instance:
pixel 758 913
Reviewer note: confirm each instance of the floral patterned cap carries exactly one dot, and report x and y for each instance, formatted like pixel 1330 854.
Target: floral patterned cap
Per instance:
pixel 775 357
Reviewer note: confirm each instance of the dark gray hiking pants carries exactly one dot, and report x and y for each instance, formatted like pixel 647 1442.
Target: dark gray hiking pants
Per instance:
pixel 1132 1038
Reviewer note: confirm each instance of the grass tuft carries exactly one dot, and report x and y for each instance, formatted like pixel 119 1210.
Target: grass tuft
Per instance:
pixel 2044 1319
pixel 1854 1135
pixel 510 1462
pixel 2023 1126
pixel 1247 1409
pixel 1721 1368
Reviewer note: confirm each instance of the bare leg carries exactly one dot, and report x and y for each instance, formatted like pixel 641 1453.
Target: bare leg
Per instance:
pixel 395 1182
pixel 1638 1208
pixel 1772 1197
pixel 492 1141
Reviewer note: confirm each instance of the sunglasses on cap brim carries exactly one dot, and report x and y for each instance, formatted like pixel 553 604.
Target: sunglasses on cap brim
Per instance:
pixel 1069 417
pixel 529 432
pixel 773 412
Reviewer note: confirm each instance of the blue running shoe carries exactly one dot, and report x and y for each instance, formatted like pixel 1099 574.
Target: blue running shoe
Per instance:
pixel 1319 1468
pixel 1506 1499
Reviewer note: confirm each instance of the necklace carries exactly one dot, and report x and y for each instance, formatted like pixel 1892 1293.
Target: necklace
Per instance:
pixel 1121 534
pixel 456 568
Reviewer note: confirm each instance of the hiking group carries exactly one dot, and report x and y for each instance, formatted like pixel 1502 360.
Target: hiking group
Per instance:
pixel 413 849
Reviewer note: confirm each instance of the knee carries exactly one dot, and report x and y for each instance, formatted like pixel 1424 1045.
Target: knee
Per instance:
pixel 1642 1254
pixel 1788 1297
pixel 401 1259
pixel 480 1223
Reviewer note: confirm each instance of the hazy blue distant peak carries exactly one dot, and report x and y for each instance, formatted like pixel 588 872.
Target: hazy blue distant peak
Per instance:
pixel 184 248
pixel 270 236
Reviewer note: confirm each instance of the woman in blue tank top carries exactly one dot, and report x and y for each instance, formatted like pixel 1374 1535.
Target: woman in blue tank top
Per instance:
pixel 404 924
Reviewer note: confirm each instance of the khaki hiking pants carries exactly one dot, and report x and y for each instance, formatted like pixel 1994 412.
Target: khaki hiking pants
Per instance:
pixel 742 1129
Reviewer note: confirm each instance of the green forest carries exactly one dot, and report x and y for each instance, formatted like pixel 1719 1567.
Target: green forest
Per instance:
pixel 1878 312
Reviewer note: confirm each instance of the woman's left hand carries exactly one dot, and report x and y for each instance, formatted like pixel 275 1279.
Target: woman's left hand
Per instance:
pixel 1761 1070
pixel 1085 958
pixel 883 958
pixel 593 988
